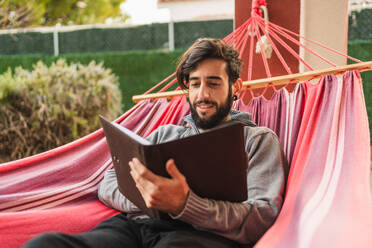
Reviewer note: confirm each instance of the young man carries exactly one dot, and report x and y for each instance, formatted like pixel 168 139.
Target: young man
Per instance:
pixel 210 70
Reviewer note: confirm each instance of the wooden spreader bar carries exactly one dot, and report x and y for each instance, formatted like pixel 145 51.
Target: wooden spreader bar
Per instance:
pixel 280 80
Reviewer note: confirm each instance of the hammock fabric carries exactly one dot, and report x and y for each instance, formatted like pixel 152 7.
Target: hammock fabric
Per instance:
pixel 325 127
pixel 57 190
pixel 328 203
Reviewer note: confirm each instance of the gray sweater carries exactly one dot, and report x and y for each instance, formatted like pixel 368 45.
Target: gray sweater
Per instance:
pixel 244 222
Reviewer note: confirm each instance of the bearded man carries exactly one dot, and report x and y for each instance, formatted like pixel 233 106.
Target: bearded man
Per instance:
pixel 210 71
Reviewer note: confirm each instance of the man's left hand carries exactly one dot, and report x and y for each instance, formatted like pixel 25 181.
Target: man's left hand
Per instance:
pixel 166 194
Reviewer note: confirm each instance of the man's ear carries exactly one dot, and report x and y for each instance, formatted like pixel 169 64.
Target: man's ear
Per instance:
pixel 237 87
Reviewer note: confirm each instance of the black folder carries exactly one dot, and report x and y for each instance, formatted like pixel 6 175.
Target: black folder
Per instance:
pixel 213 162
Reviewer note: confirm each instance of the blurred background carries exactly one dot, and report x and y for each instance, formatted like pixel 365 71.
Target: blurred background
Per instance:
pixel 63 62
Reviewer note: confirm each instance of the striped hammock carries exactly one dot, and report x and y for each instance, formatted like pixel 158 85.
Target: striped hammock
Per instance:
pixel 323 128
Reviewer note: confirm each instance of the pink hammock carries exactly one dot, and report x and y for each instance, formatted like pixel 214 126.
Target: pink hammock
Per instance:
pixel 328 203
pixel 326 124
pixel 323 129
pixel 57 190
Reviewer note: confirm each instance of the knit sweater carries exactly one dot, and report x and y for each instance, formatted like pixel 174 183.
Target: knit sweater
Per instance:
pixel 244 222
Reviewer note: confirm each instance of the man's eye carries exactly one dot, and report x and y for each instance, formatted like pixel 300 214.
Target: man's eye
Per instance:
pixel 213 84
pixel 195 84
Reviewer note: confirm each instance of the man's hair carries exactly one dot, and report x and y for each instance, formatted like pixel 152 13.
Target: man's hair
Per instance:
pixel 207 48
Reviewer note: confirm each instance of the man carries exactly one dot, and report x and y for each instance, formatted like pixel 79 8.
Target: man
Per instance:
pixel 210 70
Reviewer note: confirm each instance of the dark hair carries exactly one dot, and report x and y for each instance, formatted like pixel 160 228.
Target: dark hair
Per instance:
pixel 207 48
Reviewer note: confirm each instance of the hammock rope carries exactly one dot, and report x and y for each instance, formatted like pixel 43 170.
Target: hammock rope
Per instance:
pixel 263 55
pixel 279 55
pixel 245 36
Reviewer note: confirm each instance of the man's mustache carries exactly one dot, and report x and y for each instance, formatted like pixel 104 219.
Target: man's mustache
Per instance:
pixel 205 102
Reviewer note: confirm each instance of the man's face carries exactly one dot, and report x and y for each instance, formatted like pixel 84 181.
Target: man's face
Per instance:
pixel 209 93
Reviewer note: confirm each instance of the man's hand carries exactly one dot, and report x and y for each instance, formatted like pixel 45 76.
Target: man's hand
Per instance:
pixel 166 194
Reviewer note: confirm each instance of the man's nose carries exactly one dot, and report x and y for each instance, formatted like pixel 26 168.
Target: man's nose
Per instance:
pixel 204 92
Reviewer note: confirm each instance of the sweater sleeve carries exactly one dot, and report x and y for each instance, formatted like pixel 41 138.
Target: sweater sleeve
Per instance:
pixel 108 191
pixel 109 194
pixel 246 222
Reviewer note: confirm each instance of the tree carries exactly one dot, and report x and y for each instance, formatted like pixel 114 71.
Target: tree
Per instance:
pixel 15 14
pixel 25 13
pixel 81 11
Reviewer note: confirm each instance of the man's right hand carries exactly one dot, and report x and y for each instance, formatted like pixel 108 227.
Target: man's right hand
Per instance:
pixel 165 194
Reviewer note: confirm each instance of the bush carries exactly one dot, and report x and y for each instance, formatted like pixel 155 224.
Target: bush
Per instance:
pixel 51 106
pixel 138 71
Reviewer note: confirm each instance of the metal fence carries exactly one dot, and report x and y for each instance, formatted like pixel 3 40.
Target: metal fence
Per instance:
pixel 158 36
pixel 101 38
pixel 360 24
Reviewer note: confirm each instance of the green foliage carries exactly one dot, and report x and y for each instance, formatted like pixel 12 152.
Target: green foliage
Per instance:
pixel 20 13
pixel 50 106
pixel 138 71
pixel 362 49
pixel 51 12
pixel 81 11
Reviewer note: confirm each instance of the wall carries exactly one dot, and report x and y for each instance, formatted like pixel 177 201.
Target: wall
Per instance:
pixel 327 23
pixel 199 9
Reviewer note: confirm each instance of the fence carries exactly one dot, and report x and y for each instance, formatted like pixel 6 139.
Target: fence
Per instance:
pixel 101 38
pixel 157 36
pixel 360 24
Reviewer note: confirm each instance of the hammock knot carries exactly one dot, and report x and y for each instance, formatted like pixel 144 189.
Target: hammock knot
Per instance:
pixel 256 5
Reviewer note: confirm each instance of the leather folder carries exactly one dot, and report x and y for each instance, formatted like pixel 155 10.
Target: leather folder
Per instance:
pixel 213 162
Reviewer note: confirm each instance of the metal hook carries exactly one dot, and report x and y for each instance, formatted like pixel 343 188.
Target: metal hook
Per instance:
pixel 264 40
pixel 265 16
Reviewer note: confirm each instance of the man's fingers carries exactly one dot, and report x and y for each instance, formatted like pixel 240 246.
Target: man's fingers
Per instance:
pixel 142 171
pixel 158 192
pixel 146 181
pixel 172 170
pixel 137 179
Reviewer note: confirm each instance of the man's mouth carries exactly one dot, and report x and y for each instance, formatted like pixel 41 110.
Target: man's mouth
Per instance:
pixel 204 106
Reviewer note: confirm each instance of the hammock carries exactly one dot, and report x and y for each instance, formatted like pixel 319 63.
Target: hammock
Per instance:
pixel 57 190
pixel 323 128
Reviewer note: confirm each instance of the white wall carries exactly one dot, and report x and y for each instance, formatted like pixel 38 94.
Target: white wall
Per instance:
pixel 324 21
pixel 199 9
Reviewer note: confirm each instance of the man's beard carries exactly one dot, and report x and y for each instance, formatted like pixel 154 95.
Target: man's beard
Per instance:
pixel 221 112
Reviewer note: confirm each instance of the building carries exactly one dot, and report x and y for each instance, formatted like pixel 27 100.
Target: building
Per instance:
pixel 197 10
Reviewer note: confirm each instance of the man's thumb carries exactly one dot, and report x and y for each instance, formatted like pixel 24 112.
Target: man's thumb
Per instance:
pixel 172 169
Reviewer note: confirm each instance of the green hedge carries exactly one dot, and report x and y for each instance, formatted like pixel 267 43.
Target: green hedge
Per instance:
pixel 138 71
pixel 362 50
pixel 47 107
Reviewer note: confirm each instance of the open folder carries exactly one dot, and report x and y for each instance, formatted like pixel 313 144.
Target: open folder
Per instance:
pixel 213 162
